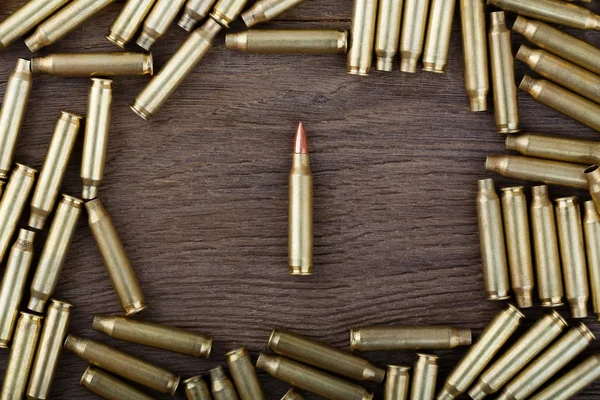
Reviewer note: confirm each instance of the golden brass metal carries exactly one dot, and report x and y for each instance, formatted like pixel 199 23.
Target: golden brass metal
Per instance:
pixel 407 337
pixel 2 185
pixel 266 10
pixel 360 55
pixel 414 23
pixel 555 148
pixel 93 64
pixel 472 14
pixel 227 11
pixel 158 22
pixel 292 395
pixel 387 37
pixel 123 30
pixel 194 12
pixel 424 378
pixel 222 387
pixel 244 374
pixel 196 389
pixel 593 177
pixel 573 382
pixel 591 229
pixel 108 387
pixel 397 382
pixel 439 30
pixel 289 41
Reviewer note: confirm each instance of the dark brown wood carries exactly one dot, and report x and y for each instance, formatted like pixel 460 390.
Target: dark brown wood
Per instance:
pixel 199 196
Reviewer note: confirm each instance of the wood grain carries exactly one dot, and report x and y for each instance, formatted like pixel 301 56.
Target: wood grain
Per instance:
pixel 199 196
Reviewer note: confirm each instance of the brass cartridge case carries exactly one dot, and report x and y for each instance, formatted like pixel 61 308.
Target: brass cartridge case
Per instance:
pixel 573 382
pixel 93 64
pixel 532 343
pixel 194 12
pixel 439 30
pixel 26 18
pixel 196 389
pixel 545 248
pixel 108 387
pixel 123 30
pixel 538 170
pixel 472 16
pixel 158 22
pixel 292 395
pixel 518 245
pixel 227 11
pixel 397 382
pixel 322 356
pixel 591 229
pixel 46 360
pixel 360 55
pixel 548 364
pixel 557 42
pixel 244 375
pixel 491 242
pixel 387 37
pixel 312 380
pixel 593 177
pixel 160 88
pixel 2 185
pixel 266 10
pixel 115 258
pixel 424 378
pixel 154 335
pixel 95 144
pixel 123 364
pixel 53 169
pixel 572 252
pixel 481 353
pixel 222 388
pixel 12 113
pixel 555 148
pixel 13 284
pixel 406 337
pixel 289 41
pixel 21 356
pixel 63 22
pixel 414 23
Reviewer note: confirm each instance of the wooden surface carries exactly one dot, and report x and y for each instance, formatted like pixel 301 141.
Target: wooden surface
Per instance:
pixel 199 197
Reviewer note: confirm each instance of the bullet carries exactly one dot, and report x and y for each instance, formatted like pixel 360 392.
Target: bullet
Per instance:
pixel 115 258
pixel 322 356
pixel 481 353
pixel 387 38
pixel 557 42
pixel 13 284
pixel 491 242
pixel 548 364
pixel 194 12
pixel 472 14
pixel 93 64
pixel 555 148
pixel 424 378
pixel 300 208
pixel 108 387
pixel 196 389
pixel 266 10
pixel 53 169
pixel 158 22
pixel 439 30
pixel 51 342
pixel 123 364
pixel 572 252
pixel 396 383
pixel 154 335
pixel 26 18
pixel 244 374
pixel 292 395
pixel 591 229
pixel 413 34
pixel 573 382
pixel 63 22
pixel 538 170
pixel 12 113
pixel 21 356
pixel 406 337
pixel 123 30
pixel 531 344
pixel 360 55
pixel 555 11
pixel 289 41
pixel 222 388
pixel 312 380
pixel 95 144
pixel 593 177
pixel 227 11
pixel 179 66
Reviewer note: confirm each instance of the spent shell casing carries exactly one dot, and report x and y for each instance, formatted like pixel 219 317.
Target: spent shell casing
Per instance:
pixel 360 55
pixel 289 41
pixel 53 169
pixel 397 381
pixel 555 148
pixel 527 347
pixel 123 364
pixel 158 22
pixel 545 248
pixel 557 42
pixel 414 23
pixel 179 66
pixel 12 113
pixel 311 379
pixel 593 177
pixel 63 22
pixel 51 343
pixel 13 284
pixel 55 252
pixel 472 16
pixel 481 353
pixel 108 387
pixel 292 395
pixel 93 64
pixel 387 38
pixel 2 186
pixel 538 170
pixel 545 366
pixel 407 337
pixel 95 143
pixel 123 30
pixel 196 389
pixel 221 386
pixel 243 373
pixel 21 356
pixel 323 356
pixel 591 229
pixel 115 258
pixel 491 242
pixel 572 252
pixel 573 382
pixel 266 10
pixel 194 12
pixel 154 335
pixel 424 378
pixel 439 31
pixel 227 11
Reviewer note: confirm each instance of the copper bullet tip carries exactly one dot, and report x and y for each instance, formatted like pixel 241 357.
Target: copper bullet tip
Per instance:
pixel 301 142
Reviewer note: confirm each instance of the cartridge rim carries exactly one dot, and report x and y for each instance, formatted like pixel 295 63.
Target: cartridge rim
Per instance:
pixel 71 200
pixel 559 318
pixel 116 39
pixel 135 308
pixel 396 369
pixel 103 82
pixel 300 270
pixel 149 63
pixel 237 354
pixel 561 201
pixel 512 308
pixel 61 304
pixel 70 117
pixel 428 357
pixel 87 376
pixel 30 316
pixel 25 169
pixel 354 338
pixel 586 332
pixel 193 379
pixel 272 340
pixel 137 108
pixel 173 384
pixel 513 189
